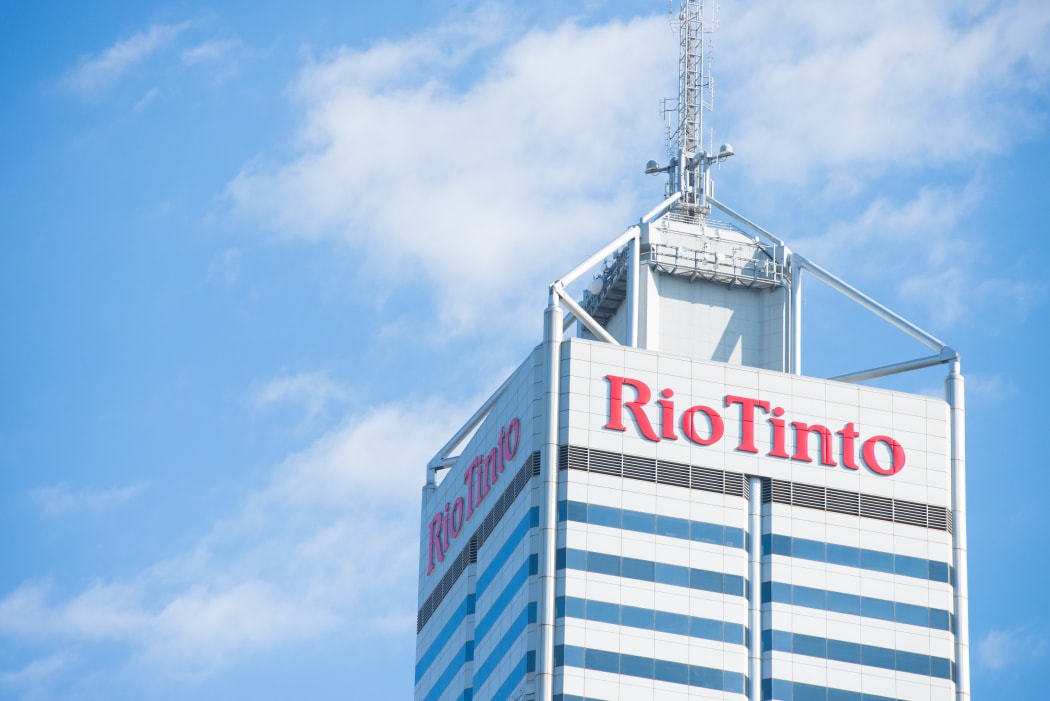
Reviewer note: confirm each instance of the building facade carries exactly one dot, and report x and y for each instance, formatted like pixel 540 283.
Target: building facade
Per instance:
pixel 659 504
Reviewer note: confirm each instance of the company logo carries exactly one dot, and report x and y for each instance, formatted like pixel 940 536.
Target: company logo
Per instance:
pixel 704 425
pixel 478 479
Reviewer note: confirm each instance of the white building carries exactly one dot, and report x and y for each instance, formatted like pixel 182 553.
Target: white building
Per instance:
pixel 657 504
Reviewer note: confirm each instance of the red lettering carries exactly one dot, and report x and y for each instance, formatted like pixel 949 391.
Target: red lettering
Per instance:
pixel 871 460
pixel 849 450
pixel 713 419
pixel 747 420
pixel 453 527
pixel 616 405
pixel 435 541
pixel 667 415
pixel 511 449
pixel 802 431
pixel 779 449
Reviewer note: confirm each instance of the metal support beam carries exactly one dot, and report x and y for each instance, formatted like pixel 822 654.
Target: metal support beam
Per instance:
pixel 584 318
pixel 954 395
pixel 571 276
pixel 895 368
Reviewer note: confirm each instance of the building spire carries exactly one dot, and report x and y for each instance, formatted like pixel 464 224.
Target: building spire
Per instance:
pixel 688 169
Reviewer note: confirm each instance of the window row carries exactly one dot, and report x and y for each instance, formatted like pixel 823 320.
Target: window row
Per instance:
pixel 781 690
pixel 649 571
pixel 648 668
pixel 855 605
pixel 642 522
pixel 874 560
pixel 648 619
pixel 855 653
pixel 466 608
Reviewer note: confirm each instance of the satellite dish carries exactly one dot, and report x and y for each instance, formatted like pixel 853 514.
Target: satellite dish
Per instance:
pixel 652 167
pixel 725 151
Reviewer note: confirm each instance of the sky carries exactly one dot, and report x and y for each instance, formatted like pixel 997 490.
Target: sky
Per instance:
pixel 260 260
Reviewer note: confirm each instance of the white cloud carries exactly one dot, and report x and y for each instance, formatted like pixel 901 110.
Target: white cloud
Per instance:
pixel 208 51
pixel 476 182
pixel 845 93
pixel 313 390
pixel 328 544
pixel 61 499
pixel 38 672
pixel 94 75
pixel 1001 648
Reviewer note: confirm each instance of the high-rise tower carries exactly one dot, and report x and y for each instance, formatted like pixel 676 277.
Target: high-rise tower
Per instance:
pixel 658 503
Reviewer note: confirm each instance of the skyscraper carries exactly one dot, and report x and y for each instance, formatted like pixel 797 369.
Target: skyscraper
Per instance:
pixel 658 503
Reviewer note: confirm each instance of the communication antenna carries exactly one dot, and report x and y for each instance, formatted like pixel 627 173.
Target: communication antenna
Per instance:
pixel 689 165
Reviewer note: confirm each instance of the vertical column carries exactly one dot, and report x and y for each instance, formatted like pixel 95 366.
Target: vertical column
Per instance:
pixel 796 317
pixel 754 590
pixel 632 291
pixel 953 390
pixel 552 336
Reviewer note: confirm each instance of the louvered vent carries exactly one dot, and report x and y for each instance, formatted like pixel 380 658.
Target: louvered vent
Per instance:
pixel 709 480
pixel 535 464
pixel 639 468
pixel 673 473
pixel 606 463
pixel 734 484
pixel 872 506
pixel 781 491
pixel 807 495
pixel 767 490
pixel 939 518
pixel 842 502
pixel 909 512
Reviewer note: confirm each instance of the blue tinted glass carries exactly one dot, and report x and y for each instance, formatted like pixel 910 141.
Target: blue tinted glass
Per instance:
pixel 708 581
pixel 808 597
pixel 574 607
pixel 877 657
pixel 875 560
pixel 911 662
pixel 638 521
pixel 471 602
pixel 733 682
pixel 940 668
pixel 603 564
pixel 939 619
pixel 842 651
pixel 672 574
pixel 734 633
pixel 576 511
pixel 562 510
pixel 634 568
pixel 766 591
pixel 781 545
pixel 767 543
pixel 939 571
pixel 734 584
pixel 781 690
pixel 559 607
pixel 603 612
pixel 781 593
pixel 767 639
pixel 559 558
pixel 810 646
pixel 577 559
pixel 673 672
pixel 603 515
pixel 843 695
pixel 843 603
pixel 808 692
pixel 672 623
pixel 911 566
pixel 636 617
pixel 915 615
pixel 876 608
pixel 705 532
pixel 733 537
pixel 781 641
pixel 602 661
pixel 559 655
pixel 843 555
pixel 573 656
pixel 705 677
pixel 634 666
pixel 808 549
pixel 705 628
pixel 673 527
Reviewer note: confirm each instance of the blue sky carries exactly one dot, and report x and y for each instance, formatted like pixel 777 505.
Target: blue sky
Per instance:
pixel 260 260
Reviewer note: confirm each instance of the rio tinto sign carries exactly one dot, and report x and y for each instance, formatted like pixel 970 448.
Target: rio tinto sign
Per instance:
pixel 705 425
pixel 478 479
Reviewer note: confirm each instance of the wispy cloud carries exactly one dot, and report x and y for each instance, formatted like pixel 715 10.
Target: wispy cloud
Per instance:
pixel 323 546
pixel 1001 648
pixel 96 74
pixel 37 673
pixel 62 499
pixel 313 390
pixel 469 182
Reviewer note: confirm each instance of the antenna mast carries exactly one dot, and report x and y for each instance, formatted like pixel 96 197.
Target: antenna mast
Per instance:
pixel 688 170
